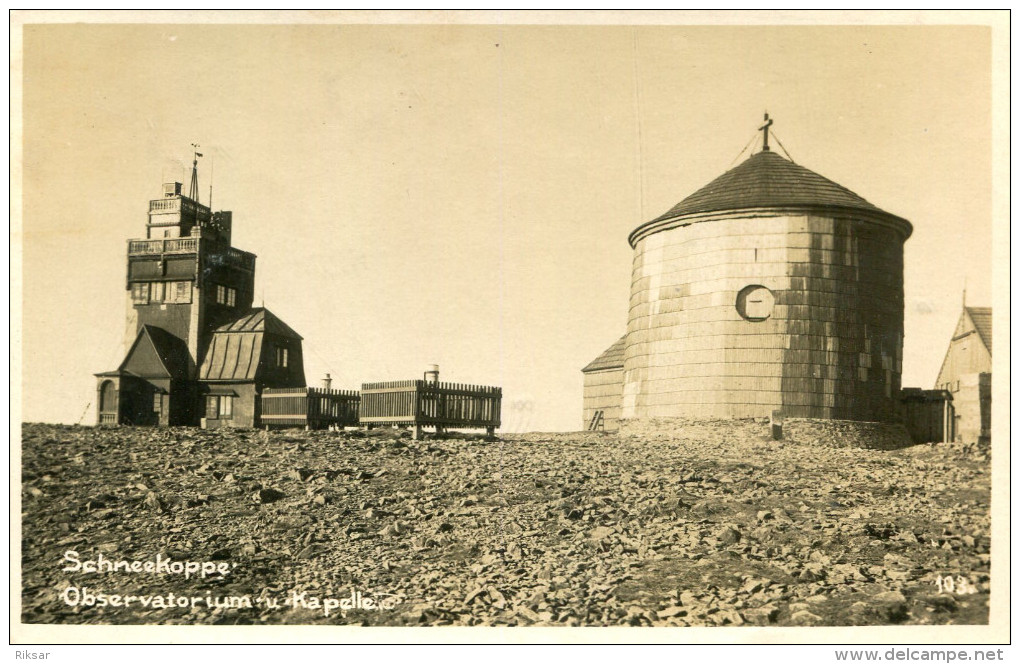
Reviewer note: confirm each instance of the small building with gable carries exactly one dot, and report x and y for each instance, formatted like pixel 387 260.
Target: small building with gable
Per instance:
pixel 603 388
pixel 245 356
pixel 966 374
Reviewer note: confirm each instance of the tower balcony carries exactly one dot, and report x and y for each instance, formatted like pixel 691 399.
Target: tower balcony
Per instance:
pixel 194 244
pixel 179 204
pixel 170 245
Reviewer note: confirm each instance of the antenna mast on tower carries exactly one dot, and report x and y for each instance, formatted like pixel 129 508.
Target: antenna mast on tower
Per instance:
pixel 212 167
pixel 193 191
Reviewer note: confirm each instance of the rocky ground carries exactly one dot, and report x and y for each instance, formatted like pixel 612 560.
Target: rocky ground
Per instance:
pixel 701 527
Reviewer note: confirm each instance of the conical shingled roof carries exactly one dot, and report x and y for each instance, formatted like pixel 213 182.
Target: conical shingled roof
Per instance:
pixel 768 180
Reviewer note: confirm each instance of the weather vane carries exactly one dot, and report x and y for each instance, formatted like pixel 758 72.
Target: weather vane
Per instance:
pixel 193 193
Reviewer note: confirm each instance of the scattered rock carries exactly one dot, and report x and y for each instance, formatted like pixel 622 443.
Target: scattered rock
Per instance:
pixel 671 612
pixel 805 617
pixel 299 474
pixel 729 536
pixel 566 529
pixel 154 502
pixel 762 615
pixel 266 496
pixel 310 551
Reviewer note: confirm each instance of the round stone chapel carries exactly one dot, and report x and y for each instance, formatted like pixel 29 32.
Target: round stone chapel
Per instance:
pixel 771 288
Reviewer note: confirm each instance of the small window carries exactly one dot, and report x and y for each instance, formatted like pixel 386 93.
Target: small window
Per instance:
pixel 157 402
pixel 227 296
pixel 140 293
pixel 182 292
pixel 281 356
pixel 219 407
pixel 754 303
pixel 157 291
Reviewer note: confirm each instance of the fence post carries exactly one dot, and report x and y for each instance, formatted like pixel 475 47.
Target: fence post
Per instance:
pixel 777 424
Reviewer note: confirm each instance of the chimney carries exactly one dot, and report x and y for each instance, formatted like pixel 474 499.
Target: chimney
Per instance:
pixel 327 382
pixel 432 374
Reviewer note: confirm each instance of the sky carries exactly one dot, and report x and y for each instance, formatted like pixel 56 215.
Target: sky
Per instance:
pixel 462 194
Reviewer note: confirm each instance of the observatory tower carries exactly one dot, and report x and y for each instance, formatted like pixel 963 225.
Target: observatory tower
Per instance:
pixel 198 352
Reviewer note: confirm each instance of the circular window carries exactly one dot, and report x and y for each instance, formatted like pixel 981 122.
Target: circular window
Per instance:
pixel 755 303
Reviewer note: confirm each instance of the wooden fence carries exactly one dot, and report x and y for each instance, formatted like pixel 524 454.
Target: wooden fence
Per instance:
pixel 423 403
pixel 309 407
pixel 929 415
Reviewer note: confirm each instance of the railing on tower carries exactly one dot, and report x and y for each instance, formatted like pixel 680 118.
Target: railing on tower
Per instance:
pixel 182 245
pixel 180 204
pixel 190 245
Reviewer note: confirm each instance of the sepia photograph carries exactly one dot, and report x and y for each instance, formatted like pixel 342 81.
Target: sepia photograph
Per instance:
pixel 532 323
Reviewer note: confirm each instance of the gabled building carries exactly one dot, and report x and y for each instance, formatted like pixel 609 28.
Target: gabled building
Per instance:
pixel 151 386
pixel 256 351
pixel 195 344
pixel 966 373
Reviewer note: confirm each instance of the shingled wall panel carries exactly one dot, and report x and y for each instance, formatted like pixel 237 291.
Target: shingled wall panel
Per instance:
pixel 602 391
pixel 831 348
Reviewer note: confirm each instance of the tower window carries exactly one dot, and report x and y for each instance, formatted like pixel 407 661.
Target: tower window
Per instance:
pixel 281 356
pixel 140 293
pixel 227 296
pixel 181 292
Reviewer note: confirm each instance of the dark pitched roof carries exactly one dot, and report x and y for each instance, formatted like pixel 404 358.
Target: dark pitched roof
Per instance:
pixel 236 348
pixel 156 353
pixel 768 180
pixel 611 358
pixel 259 320
pixel 982 318
pixel 232 356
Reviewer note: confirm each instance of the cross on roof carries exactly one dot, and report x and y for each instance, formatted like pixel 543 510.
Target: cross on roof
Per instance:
pixel 765 128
